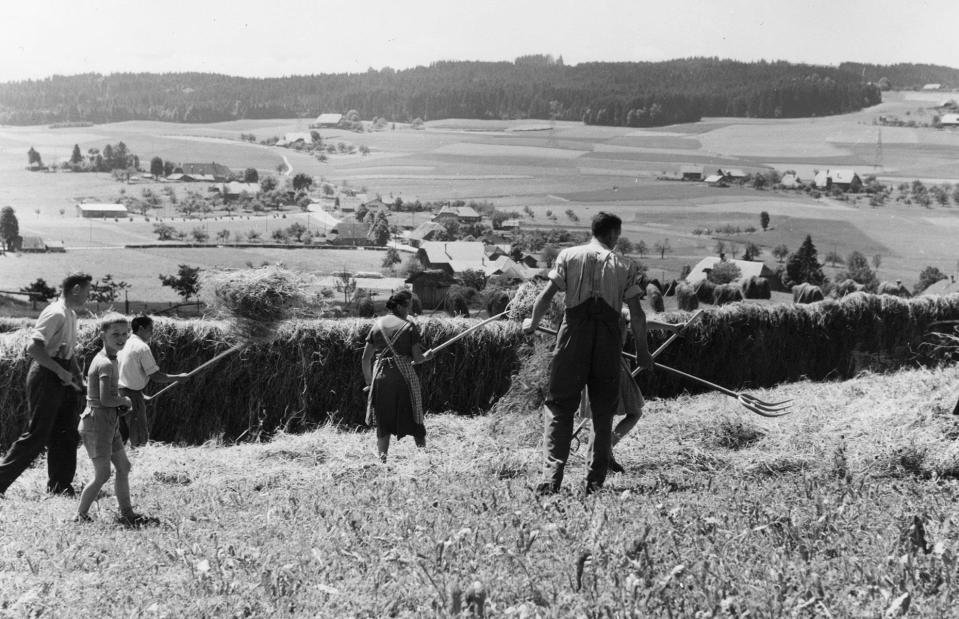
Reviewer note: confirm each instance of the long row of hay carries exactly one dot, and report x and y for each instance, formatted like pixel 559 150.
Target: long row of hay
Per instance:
pixel 311 372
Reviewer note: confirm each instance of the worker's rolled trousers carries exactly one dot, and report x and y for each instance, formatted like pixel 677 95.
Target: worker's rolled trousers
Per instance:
pixel 134 425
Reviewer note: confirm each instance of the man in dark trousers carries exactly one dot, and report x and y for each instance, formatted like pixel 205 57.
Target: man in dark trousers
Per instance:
pixel 588 345
pixel 53 393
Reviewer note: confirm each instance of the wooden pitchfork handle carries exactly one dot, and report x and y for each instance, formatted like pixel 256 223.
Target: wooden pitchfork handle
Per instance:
pixel 456 338
pixel 195 371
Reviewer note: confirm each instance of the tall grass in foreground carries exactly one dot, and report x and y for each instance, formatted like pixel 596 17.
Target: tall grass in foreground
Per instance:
pixel 844 509
pixel 311 373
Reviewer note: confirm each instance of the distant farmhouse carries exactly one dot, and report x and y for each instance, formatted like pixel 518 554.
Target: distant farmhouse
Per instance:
pixel 691 172
pixel 292 139
pixel 426 231
pixel 212 172
pixel 462 214
pixel 327 120
pixel 94 210
pixel 350 233
pixel 233 190
pixel 932 86
pixel 949 120
pixel 454 257
pixel 747 268
pixel 845 180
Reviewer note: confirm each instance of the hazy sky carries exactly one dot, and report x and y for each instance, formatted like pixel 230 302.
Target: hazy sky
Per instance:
pixel 284 37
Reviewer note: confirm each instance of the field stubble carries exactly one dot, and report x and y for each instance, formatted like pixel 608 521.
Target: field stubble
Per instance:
pixel 816 514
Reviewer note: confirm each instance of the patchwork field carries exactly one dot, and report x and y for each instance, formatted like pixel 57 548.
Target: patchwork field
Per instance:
pixel 545 166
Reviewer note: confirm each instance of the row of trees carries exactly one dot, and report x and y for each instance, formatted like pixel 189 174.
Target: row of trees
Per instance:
pixel 621 93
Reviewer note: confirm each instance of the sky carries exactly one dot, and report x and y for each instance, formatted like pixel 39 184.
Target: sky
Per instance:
pixel 296 37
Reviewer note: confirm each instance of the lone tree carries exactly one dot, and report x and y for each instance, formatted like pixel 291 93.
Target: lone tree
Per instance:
pixel 764 220
pixel 186 282
pixel 858 269
pixel 752 251
pixel 724 272
pixel 302 181
pixel 380 230
pixel 39 291
pixel 927 277
pixel 77 157
pixel 803 266
pixel 662 247
pixel 250 175
pixel 780 251
pixel 624 245
pixel 392 257
pixel 9 227
pixel 107 290
pixel 156 167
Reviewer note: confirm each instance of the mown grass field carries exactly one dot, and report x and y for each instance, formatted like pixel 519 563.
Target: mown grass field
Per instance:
pixel 845 508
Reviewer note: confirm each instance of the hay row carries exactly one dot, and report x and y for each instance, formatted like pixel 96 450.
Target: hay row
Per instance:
pixel 311 372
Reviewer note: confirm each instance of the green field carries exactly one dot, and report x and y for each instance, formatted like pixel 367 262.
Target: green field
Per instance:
pixel 557 166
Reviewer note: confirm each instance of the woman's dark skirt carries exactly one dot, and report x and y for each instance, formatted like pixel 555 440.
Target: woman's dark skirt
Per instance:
pixel 392 406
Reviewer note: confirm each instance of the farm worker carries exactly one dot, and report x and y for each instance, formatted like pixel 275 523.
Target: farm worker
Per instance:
pixel 137 368
pixel 394 401
pixel 630 402
pixel 596 282
pixel 99 425
pixel 53 382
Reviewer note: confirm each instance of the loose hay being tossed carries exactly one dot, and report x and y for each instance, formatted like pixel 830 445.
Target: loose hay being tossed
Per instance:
pixel 255 301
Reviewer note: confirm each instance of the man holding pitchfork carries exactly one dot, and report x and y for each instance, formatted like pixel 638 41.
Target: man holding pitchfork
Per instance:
pixel 53 386
pixel 597 282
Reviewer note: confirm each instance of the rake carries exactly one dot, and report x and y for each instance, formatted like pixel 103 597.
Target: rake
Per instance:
pixel 750 403
pixel 579 428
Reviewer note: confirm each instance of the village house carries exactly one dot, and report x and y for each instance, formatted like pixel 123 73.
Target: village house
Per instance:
pixel 949 120
pixel 431 286
pixel 509 224
pixel 691 173
pixel 94 210
pixel 462 214
pixel 426 231
pixel 327 120
pixel 213 172
pixel 233 190
pixel 731 175
pixel 747 268
pixel 716 180
pixel 292 139
pixel 350 233
pixel 32 245
pixel 453 257
pixel 844 180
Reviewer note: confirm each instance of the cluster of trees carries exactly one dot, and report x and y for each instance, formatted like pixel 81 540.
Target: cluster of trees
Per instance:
pixel 608 93
pixel 904 76
pixel 111 157
pixel 9 229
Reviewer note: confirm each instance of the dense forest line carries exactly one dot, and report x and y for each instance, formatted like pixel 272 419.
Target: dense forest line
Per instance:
pixel 904 76
pixel 537 87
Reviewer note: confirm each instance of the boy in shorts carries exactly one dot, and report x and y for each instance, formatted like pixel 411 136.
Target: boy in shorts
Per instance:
pixel 99 427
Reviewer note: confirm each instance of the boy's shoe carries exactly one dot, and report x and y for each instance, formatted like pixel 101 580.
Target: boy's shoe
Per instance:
pixel 135 520
pixel 615 467
pixel 82 518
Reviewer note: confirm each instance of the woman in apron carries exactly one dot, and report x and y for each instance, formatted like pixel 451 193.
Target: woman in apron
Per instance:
pixel 395 402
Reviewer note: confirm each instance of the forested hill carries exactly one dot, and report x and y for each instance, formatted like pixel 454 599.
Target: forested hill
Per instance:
pixel 904 76
pixel 627 93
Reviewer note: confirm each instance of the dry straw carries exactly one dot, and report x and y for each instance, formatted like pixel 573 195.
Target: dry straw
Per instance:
pixel 310 372
pixel 255 301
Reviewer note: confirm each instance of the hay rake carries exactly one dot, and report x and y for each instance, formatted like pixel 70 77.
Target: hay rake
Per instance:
pixel 749 402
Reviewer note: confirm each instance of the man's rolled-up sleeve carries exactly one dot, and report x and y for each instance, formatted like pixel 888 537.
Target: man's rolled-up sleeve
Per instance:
pixel 47 327
pixel 557 274
pixel 147 362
